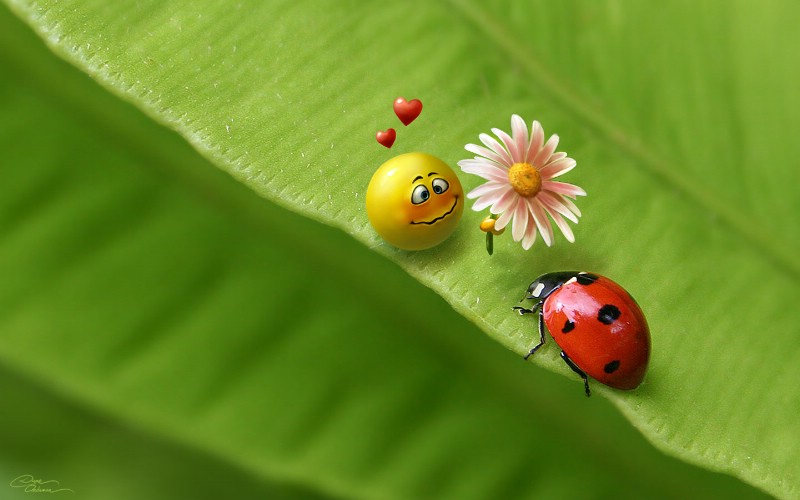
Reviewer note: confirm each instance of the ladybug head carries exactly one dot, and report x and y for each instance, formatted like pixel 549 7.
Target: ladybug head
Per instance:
pixel 548 283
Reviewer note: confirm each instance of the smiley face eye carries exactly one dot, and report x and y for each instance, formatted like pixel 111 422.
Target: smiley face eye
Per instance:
pixel 420 194
pixel 439 186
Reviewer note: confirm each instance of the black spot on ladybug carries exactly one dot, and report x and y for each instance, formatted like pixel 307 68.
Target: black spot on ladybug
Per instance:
pixel 568 327
pixel 586 278
pixel 608 314
pixel 611 367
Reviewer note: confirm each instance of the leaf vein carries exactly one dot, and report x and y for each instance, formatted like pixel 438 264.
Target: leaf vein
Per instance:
pixel 747 227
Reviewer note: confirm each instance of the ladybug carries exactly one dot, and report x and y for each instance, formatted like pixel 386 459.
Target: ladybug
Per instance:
pixel 599 327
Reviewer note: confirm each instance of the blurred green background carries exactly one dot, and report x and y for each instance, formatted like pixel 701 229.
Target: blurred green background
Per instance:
pixel 165 332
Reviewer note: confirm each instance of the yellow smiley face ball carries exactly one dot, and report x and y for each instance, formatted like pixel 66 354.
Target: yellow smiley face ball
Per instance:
pixel 414 201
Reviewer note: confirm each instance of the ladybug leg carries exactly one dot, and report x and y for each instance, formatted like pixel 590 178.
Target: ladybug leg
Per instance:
pixel 577 370
pixel 535 309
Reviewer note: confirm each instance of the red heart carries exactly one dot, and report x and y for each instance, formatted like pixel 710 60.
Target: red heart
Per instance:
pixel 407 111
pixel 386 138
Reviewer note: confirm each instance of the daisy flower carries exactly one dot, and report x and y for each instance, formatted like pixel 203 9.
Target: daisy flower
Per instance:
pixel 520 189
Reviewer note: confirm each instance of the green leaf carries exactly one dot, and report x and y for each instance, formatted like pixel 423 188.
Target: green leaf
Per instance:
pixel 184 341
pixel 152 288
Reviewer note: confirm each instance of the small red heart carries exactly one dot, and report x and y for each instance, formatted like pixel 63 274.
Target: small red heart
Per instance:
pixel 386 138
pixel 407 111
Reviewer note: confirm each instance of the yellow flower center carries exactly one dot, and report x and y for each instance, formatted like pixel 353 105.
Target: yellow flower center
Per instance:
pixel 525 179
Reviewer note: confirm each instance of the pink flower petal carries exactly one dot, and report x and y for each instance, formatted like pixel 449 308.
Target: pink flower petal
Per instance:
pixel 537 139
pixel 493 162
pixel 505 202
pixel 488 161
pixel 484 201
pixel 520 220
pixel 486 153
pixel 484 168
pixel 509 144
pixel 487 188
pixel 491 143
pixel 550 202
pixel 562 225
pixel 563 188
pixel 530 236
pixel 505 217
pixel 540 217
pixel 543 157
pixel 519 131
pixel 569 204
pixel 556 168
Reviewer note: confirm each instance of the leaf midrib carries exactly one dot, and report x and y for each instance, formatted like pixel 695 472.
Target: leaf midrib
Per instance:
pixel 597 121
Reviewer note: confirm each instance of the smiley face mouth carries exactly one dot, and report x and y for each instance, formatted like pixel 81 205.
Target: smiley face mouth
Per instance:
pixel 437 219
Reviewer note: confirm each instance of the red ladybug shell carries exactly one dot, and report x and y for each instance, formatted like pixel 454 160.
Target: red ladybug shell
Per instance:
pixel 601 328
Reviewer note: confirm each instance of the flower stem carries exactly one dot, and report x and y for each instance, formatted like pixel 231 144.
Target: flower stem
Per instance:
pixel 490 237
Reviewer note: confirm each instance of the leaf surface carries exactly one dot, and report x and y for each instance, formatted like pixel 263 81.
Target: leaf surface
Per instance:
pixel 681 138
